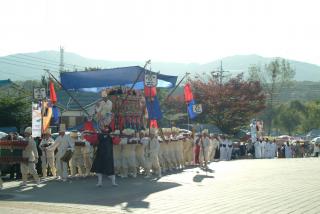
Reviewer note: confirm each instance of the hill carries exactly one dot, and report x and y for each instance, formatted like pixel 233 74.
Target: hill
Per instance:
pixel 31 65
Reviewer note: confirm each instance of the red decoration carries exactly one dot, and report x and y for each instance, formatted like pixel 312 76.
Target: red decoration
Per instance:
pixel 116 140
pixel 53 95
pixel 91 136
pixel 153 124
pixel 188 96
pixel 150 91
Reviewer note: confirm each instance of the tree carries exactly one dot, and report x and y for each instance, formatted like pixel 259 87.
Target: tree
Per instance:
pixel 288 118
pixel 276 75
pixel 312 116
pixel 228 105
pixel 15 112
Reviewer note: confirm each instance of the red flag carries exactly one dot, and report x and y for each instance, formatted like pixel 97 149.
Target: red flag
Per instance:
pixel 153 124
pixel 53 95
pixel 150 91
pixel 187 93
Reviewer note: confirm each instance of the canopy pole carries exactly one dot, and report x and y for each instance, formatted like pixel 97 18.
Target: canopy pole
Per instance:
pixel 70 95
pixel 171 92
pixel 136 80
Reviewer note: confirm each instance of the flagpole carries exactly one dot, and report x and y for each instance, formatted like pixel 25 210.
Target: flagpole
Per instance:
pixel 70 95
pixel 188 117
pixel 171 92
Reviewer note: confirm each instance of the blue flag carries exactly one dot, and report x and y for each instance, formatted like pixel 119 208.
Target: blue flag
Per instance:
pixel 55 113
pixel 191 113
pixel 153 107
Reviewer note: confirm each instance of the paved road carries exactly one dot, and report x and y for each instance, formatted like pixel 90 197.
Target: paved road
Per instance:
pixel 242 186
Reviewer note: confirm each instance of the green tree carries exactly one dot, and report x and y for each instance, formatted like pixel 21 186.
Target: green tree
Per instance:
pixel 15 112
pixel 275 75
pixel 312 116
pixel 287 118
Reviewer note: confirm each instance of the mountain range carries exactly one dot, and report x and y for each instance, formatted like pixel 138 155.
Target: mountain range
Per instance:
pixel 27 66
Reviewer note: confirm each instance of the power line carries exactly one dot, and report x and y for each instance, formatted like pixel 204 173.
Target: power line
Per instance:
pixel 14 73
pixel 34 60
pixel 24 66
pixel 53 61
pixel 39 67
pixel 28 63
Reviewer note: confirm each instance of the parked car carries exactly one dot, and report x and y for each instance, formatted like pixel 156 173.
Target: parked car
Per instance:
pixel 313 134
pixel 56 134
pixel 3 135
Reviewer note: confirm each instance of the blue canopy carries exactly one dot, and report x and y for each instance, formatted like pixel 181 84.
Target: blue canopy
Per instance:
pixel 96 80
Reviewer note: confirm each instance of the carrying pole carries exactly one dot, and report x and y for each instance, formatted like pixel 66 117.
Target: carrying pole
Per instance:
pixel 72 97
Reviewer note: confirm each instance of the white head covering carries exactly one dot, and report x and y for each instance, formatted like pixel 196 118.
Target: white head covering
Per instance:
pixel 28 130
pixel 74 134
pixel 47 131
pixel 62 127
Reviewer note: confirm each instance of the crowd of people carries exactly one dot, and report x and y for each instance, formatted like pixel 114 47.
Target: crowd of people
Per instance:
pixel 147 152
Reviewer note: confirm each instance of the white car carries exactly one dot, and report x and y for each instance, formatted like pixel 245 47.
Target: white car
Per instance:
pixel 316 140
pixel 3 134
pixel 55 135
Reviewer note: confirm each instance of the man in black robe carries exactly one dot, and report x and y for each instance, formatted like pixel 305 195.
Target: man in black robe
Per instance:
pixel 103 161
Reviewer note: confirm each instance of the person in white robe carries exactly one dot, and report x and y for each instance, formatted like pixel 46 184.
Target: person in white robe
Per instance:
pixel 229 149
pixel 63 143
pixel 47 158
pixel 152 152
pixel 288 150
pixel 30 152
pixel 257 149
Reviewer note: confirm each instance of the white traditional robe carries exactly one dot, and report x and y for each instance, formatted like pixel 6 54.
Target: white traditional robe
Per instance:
pixel 62 143
pixel 31 153
pixel 257 149
pixel 288 151
pixel 229 149
pixel 47 158
pixel 223 150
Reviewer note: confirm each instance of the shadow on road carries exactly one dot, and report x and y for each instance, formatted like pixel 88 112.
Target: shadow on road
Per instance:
pixel 199 178
pixel 130 193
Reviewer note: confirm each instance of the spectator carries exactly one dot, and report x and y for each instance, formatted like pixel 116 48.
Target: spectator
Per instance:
pixel 316 150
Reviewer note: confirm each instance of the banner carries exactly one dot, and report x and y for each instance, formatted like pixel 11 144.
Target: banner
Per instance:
pixel 153 124
pixel 188 96
pixel 36 120
pixel 53 96
pixel 153 107
pixel 191 112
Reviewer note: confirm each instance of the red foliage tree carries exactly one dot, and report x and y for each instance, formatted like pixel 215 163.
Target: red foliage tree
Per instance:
pixel 228 105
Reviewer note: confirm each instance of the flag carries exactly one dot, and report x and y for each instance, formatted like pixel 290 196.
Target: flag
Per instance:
pixel 53 96
pixel 153 107
pixel 55 113
pixel 188 96
pixel 153 124
pixel 150 91
pixel 191 113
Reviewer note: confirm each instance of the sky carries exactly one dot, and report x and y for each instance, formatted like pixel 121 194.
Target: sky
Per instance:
pixel 189 31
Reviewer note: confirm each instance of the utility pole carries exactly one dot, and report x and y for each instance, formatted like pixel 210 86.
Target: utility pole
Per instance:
pixel 219 74
pixel 61 65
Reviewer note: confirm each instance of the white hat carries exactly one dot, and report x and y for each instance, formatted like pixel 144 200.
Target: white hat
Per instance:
pixel 62 127
pixel 116 132
pixel 153 131
pixel 104 93
pixel 47 131
pixel 28 130
pixel 128 131
pixel 175 130
pixel 74 134
pixel 205 131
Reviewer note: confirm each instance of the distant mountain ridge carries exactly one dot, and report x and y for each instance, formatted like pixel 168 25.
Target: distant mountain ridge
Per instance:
pixel 31 65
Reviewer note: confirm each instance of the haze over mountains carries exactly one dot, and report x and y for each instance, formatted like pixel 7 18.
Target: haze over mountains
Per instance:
pixel 30 65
